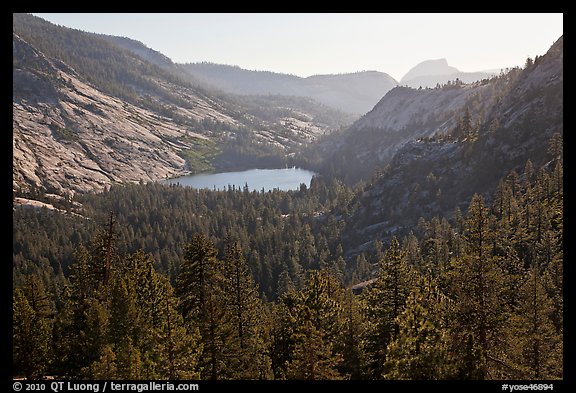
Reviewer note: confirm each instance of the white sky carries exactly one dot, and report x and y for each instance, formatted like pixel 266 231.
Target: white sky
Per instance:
pixel 308 44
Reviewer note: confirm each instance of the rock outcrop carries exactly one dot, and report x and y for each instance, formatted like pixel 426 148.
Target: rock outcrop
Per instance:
pixel 87 114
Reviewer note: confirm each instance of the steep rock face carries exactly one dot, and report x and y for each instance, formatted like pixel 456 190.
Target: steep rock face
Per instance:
pixel 429 110
pixel 539 88
pixel 68 136
pixel 433 177
pixel 402 115
pixel 115 117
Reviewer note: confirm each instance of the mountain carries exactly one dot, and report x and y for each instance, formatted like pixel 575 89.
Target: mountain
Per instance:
pixel 88 113
pixel 70 136
pixel 402 115
pixel 430 73
pixel 432 176
pixel 356 92
pixel 406 114
pixel 150 55
pixel 428 68
pixel 353 93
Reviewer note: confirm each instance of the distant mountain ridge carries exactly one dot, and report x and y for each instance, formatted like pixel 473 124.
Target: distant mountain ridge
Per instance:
pixel 405 114
pixel 353 93
pixel 429 73
pixel 429 67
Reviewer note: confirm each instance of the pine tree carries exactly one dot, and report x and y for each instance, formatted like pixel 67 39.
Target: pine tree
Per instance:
pixel 413 254
pixel 92 338
pixel 38 297
pixel 102 259
pixel 477 283
pixel 362 268
pixel 465 128
pixel 83 283
pixel 283 338
pixel 536 347
pixel 64 334
pixel 458 241
pixel 105 366
pixel 179 347
pixel 504 230
pixel 435 247
pixel 555 146
pixel 196 277
pixel 136 316
pixel 321 302
pixel 123 313
pixel 384 302
pixel 81 329
pixel 123 331
pixel 31 338
pixel 421 350
pixel 200 289
pixel 129 361
pixel 285 284
pixel 350 344
pixel 557 178
pixel 318 312
pixel 552 257
pixel 245 315
pixel 378 252
pixel 313 358
pixel 149 290
pixel 217 334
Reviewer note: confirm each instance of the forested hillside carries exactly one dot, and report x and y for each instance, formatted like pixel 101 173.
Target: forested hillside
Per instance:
pixel 266 294
pixel 280 231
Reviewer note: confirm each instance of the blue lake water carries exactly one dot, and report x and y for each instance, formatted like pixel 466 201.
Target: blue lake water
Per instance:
pixel 269 179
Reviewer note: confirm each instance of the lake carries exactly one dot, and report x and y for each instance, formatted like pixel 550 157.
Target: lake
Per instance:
pixel 269 179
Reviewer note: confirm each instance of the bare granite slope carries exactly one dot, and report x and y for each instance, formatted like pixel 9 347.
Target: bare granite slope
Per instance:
pixel 70 135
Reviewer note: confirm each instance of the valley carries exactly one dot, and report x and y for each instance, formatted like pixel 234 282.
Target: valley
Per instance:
pixel 89 127
pixel 438 198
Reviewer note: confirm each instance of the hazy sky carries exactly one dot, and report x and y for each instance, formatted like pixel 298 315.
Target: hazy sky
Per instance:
pixel 308 44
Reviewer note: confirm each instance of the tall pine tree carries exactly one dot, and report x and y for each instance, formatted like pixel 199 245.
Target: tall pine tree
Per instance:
pixel 384 302
pixel 477 283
